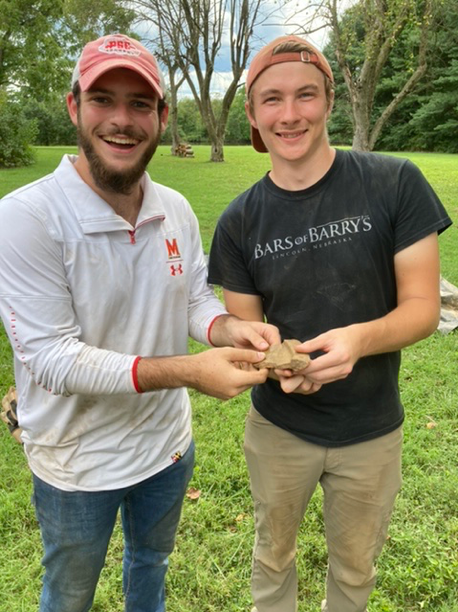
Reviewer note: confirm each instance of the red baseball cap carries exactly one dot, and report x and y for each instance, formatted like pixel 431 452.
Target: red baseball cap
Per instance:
pixel 117 51
pixel 266 58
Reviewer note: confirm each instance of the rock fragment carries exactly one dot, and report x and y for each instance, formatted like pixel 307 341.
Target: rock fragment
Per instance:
pixel 284 357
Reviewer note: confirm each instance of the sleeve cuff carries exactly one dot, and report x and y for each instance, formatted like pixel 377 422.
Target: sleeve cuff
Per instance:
pixel 210 328
pixel 135 375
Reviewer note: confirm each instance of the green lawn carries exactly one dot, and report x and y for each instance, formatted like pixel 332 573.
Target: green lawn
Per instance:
pixel 209 571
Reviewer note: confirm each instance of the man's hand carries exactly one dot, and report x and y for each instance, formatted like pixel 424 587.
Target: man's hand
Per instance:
pixel 226 372
pixel 221 372
pixel 232 331
pixel 340 348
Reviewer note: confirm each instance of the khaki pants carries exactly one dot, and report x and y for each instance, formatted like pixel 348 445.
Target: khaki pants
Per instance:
pixel 360 483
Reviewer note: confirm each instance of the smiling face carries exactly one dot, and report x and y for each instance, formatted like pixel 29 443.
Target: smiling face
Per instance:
pixel 119 128
pixel 289 107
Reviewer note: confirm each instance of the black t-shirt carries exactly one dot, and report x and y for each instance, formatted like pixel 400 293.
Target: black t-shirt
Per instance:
pixel 323 258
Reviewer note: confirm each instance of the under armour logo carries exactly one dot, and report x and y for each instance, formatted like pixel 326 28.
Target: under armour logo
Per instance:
pixel 174 270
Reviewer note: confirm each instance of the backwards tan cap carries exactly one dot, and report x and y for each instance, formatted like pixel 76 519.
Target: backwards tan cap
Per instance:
pixel 266 58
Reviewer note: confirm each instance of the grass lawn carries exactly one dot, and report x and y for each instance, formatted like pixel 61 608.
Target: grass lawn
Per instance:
pixel 209 570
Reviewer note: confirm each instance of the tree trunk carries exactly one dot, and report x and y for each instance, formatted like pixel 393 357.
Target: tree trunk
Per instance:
pixel 174 127
pixel 360 138
pixel 217 149
pixel 361 121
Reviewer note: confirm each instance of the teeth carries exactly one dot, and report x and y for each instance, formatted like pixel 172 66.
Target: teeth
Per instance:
pixel 119 140
pixel 291 135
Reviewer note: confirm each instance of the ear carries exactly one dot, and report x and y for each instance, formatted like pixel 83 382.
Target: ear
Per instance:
pixel 164 119
pixel 72 108
pixel 250 115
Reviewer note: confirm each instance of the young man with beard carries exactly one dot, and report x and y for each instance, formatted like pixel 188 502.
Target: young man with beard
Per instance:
pixel 102 281
pixel 339 250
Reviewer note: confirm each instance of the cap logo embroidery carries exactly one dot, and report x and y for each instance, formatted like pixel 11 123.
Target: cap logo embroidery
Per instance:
pixel 119 46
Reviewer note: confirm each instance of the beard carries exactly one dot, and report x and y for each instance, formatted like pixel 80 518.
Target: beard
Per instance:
pixel 115 181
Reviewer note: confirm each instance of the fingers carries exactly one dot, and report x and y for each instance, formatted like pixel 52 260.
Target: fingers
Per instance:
pixel 271 334
pixel 299 384
pixel 262 337
pixel 326 369
pixel 289 385
pixel 247 355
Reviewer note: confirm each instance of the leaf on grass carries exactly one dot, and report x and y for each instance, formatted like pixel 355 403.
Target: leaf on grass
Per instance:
pixel 193 493
pixel 431 423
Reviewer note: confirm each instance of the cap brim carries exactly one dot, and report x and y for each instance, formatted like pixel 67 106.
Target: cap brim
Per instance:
pixel 257 141
pixel 91 75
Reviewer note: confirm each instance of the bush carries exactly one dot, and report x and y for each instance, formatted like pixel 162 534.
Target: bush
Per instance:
pixel 54 127
pixel 17 133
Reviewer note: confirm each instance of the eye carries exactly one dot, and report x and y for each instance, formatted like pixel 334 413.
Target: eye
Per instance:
pixel 100 100
pixel 143 105
pixel 271 100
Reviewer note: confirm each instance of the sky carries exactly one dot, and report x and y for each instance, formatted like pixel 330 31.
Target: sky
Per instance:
pixel 272 28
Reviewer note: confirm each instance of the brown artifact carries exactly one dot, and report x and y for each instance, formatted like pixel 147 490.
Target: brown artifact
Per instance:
pixel 8 414
pixel 284 357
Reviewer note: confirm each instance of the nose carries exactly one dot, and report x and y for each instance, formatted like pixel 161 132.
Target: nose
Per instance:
pixel 121 115
pixel 290 112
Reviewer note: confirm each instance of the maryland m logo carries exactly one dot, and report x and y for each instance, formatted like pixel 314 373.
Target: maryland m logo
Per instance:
pixel 173 251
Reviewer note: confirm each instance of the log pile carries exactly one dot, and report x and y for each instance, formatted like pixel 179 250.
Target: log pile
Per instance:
pixel 184 150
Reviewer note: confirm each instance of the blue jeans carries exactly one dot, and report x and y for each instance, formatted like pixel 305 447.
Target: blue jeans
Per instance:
pixel 76 528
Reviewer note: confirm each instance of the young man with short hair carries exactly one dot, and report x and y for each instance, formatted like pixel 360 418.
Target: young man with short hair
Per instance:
pixel 339 250
pixel 102 280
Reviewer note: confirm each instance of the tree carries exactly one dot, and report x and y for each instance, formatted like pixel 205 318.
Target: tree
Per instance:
pixel 84 21
pixel 39 40
pixel 190 126
pixel 238 127
pixel 424 121
pixel 52 121
pixel 363 36
pixel 165 55
pixel 16 134
pixel 434 123
pixel 193 33
pixel 30 53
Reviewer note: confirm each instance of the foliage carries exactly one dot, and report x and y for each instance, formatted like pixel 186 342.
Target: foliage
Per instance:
pixel 238 126
pixel 191 128
pixel 54 126
pixel 210 567
pixel 85 21
pixel 16 134
pixel 30 53
pixel 424 121
pixel 364 38
pixel 190 125
pixel 39 40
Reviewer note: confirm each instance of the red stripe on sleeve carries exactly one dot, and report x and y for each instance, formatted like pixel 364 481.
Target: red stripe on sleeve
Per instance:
pixel 135 375
pixel 210 329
